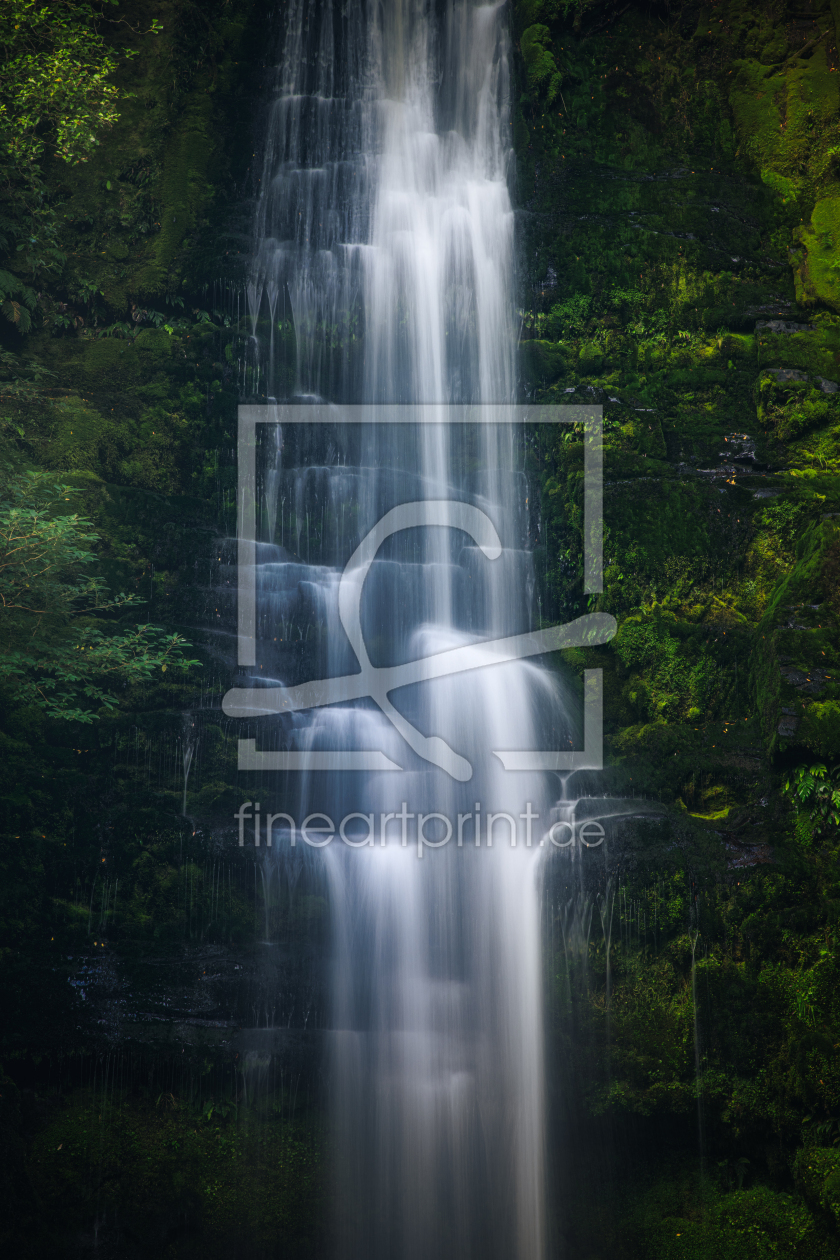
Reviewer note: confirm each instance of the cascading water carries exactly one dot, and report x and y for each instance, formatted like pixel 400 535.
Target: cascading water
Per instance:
pixel 385 224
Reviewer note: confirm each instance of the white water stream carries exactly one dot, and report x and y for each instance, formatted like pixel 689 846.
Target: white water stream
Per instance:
pixel 385 227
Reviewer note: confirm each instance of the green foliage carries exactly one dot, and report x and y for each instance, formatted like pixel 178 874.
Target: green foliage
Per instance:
pixel 569 318
pixel 820 728
pixel 21 377
pixel 17 301
pixel 55 79
pixel 651 1055
pixel 784 520
pixel 817 1168
pixel 816 790
pixel 791 408
pixel 57 97
pixel 41 553
pixel 675 1222
pixel 529 12
pixel 61 677
pixel 725 587
pixel 54 650
pixel 151 1159
pixel 544 79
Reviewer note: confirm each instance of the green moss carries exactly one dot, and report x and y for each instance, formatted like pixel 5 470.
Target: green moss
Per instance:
pixel 544 78
pixel 786 119
pixel 184 193
pixel 786 188
pixel 543 362
pixel 527 12
pixel 80 438
pixel 818 271
pixel 756 97
pixel 819 729
pixel 109 363
pixel 154 347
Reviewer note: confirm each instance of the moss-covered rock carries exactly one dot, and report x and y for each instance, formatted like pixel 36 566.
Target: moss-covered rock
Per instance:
pixel 818 270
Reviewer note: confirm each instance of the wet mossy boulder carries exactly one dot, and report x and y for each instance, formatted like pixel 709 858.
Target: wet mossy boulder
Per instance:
pixel 817 271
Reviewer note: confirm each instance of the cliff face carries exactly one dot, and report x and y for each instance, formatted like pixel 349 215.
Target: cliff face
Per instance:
pixel 130 954
pixel 678 185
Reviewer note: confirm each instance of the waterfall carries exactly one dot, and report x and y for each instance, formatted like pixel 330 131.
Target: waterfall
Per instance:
pixel 385 224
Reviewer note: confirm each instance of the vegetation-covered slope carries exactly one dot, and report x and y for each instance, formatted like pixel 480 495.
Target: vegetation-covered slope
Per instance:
pixel 678 183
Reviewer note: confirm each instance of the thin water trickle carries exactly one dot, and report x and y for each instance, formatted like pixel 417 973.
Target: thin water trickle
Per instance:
pixel 189 740
pixel 606 909
pixel 697 1071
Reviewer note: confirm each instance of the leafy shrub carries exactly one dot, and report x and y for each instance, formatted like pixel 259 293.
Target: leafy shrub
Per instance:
pixel 56 651
pixel 753 1224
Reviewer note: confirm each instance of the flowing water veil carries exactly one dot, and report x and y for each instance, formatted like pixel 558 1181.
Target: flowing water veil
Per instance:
pixel 385 227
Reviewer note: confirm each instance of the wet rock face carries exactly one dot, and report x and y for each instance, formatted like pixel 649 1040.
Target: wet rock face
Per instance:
pixel 788 723
pixel 740 446
pixel 696 302
pixel 811 683
pixel 676 308
pixel 140 340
